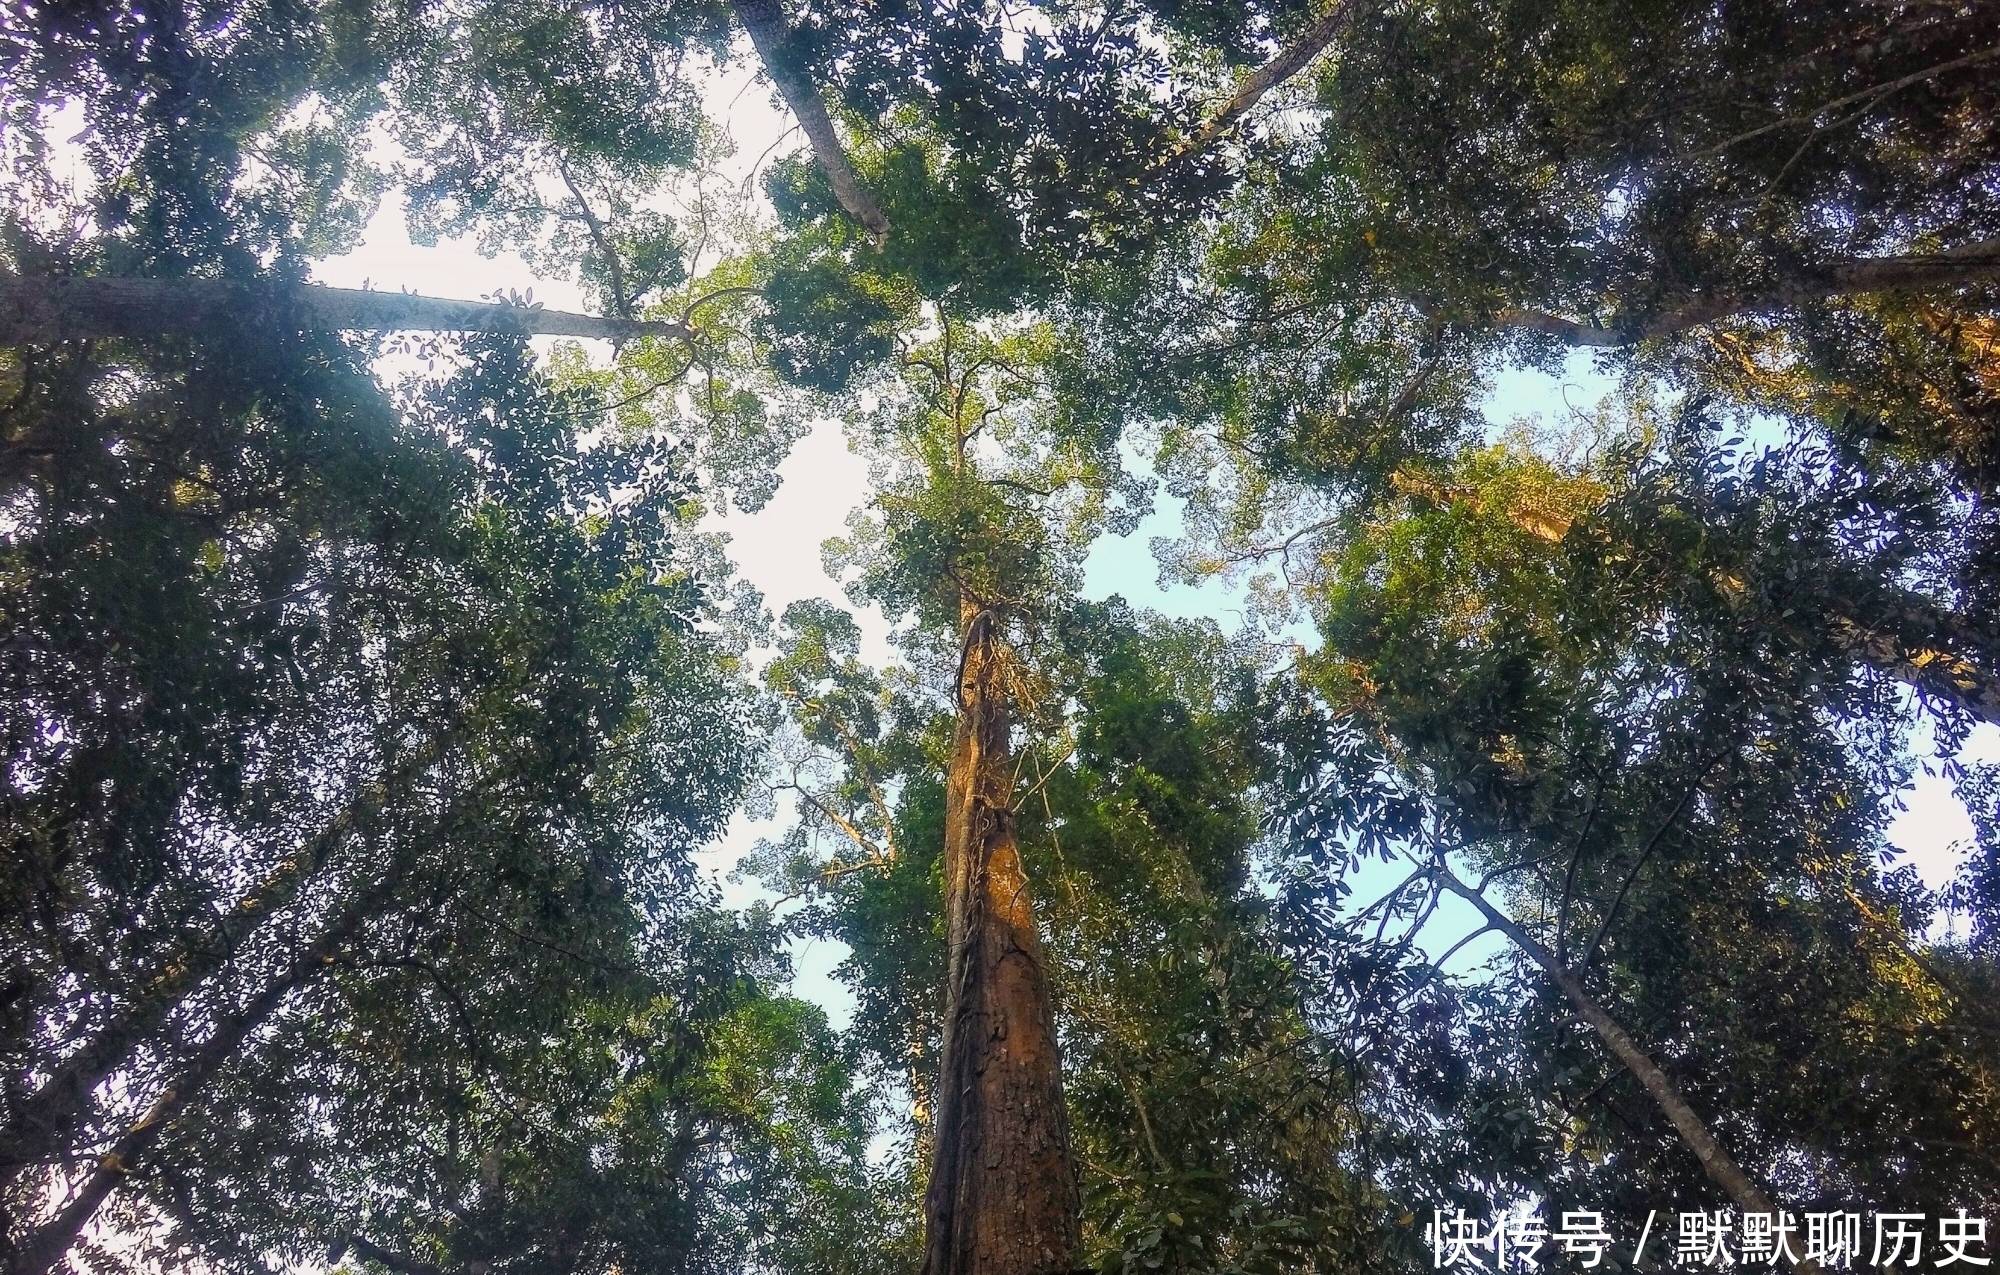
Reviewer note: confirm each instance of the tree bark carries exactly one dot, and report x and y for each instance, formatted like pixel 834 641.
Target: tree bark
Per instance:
pixel 1910 638
pixel 42 1249
pixel 37 1127
pixel 1857 276
pixel 1721 1168
pixel 1289 61
pixel 772 38
pixel 1003 1197
pixel 44 309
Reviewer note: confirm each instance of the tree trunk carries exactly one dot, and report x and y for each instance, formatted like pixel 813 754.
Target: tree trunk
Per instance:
pixel 1977 262
pixel 41 1250
pixel 1904 635
pixel 45 309
pixel 37 1127
pixel 1290 60
pixel 1002 1198
pixel 765 23
pixel 1720 1166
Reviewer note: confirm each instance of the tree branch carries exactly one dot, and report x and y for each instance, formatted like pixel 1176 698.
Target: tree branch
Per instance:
pixel 43 310
pixel 42 1248
pixel 1977 262
pixel 369 1251
pixel 1720 1167
pixel 619 301
pixel 1250 90
pixel 1652 843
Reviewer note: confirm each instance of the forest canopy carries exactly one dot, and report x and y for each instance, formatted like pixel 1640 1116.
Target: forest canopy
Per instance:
pixel 1515 846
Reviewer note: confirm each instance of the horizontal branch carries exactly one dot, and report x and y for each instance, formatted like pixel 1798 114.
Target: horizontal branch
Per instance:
pixel 1857 276
pixel 43 309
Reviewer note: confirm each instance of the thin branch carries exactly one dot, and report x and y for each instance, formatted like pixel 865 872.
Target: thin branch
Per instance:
pixel 1868 95
pixel 1452 951
pixel 619 300
pixel 1569 875
pixel 1652 842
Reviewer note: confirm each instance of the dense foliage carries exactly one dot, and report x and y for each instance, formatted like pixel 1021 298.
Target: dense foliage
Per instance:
pixel 1527 841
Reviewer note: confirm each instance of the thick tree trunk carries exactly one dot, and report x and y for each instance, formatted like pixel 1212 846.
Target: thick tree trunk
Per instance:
pixel 1003 1196
pixel 44 309
pixel 1720 1166
pixel 771 37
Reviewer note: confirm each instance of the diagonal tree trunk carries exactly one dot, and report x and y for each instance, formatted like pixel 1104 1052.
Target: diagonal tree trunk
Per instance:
pixel 1906 636
pixel 1003 1197
pixel 39 1251
pixel 765 22
pixel 1304 49
pixel 37 1127
pixel 1720 1166
pixel 45 309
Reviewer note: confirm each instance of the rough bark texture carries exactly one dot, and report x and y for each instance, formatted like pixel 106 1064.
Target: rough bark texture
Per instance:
pixel 1720 1166
pixel 771 37
pixel 41 310
pixel 1003 1196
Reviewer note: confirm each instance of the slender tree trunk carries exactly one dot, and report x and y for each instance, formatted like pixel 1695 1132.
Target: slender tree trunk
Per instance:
pixel 765 22
pixel 41 1250
pixel 1977 262
pixel 1720 1166
pixel 45 309
pixel 36 1128
pixel 1003 1197
pixel 1289 61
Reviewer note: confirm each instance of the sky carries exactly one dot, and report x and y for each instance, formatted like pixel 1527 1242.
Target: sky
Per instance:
pixel 822 482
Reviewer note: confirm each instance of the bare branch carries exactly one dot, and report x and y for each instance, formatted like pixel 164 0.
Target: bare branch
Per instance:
pixel 619 300
pixel 1652 843
pixel 1250 90
pixel 42 310
pixel 1720 1166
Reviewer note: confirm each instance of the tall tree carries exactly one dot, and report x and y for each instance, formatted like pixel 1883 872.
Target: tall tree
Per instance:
pixel 299 696
pixel 989 496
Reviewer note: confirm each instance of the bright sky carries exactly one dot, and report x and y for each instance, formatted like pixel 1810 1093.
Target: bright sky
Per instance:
pixel 776 549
